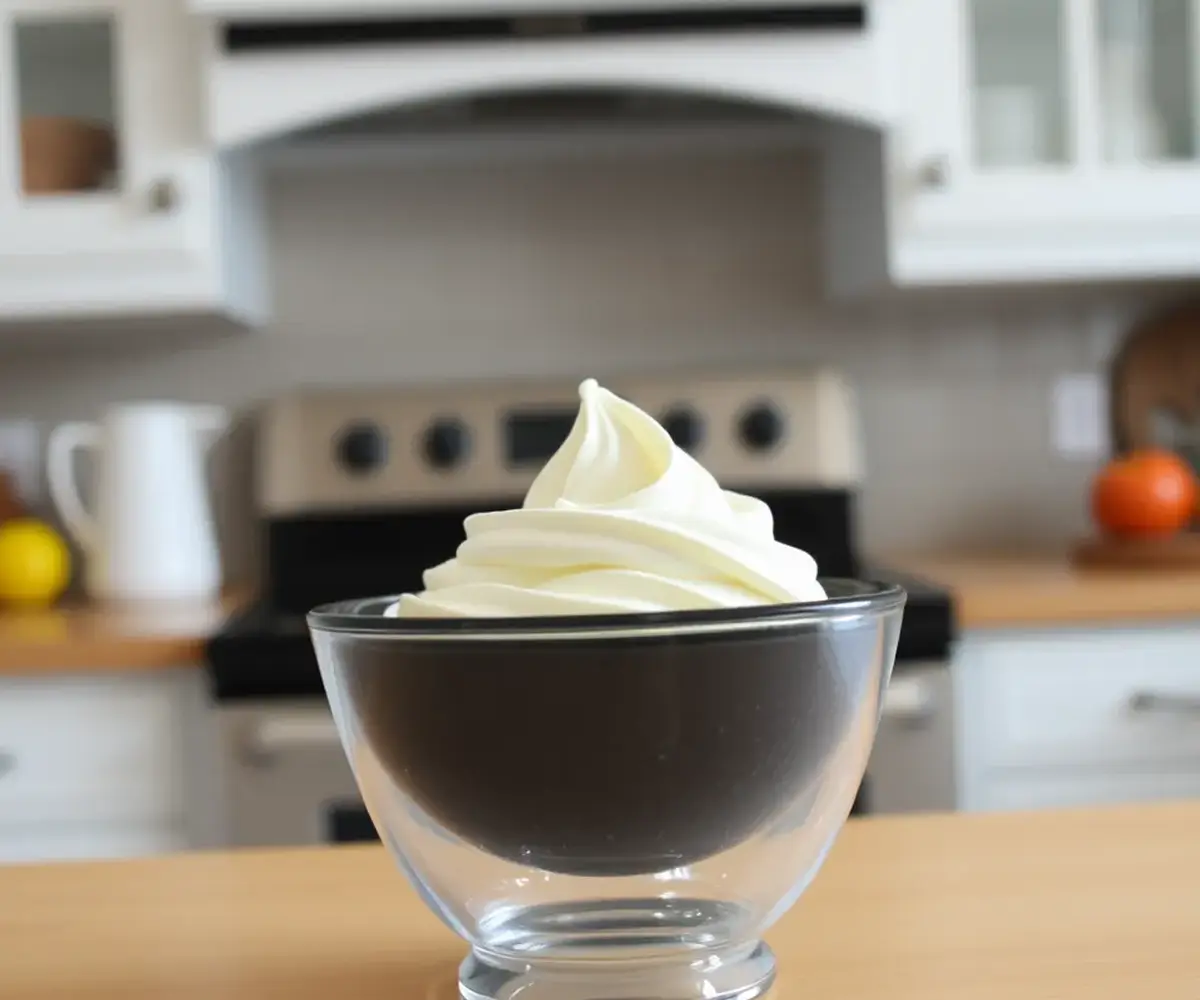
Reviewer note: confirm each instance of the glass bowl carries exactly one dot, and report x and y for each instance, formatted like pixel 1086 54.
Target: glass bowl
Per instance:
pixel 616 807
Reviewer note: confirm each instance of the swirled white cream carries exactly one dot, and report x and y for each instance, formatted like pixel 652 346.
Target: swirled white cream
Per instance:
pixel 619 520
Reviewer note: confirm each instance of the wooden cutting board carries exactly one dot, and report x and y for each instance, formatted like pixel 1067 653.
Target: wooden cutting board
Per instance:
pixel 1180 552
pixel 10 500
pixel 1154 400
pixel 1155 386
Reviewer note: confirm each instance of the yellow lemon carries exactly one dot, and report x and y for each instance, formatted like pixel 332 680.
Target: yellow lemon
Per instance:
pixel 35 563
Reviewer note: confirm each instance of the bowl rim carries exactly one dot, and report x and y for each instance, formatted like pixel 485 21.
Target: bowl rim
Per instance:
pixel 853 601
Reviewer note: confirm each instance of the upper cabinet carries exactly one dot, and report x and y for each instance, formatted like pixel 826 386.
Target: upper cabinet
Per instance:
pixel 966 141
pixel 1043 140
pixel 110 200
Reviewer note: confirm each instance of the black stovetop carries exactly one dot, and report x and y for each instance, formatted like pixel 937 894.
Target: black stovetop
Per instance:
pixel 264 653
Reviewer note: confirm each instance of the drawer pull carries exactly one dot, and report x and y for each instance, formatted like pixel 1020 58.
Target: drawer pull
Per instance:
pixel 933 174
pixel 271 737
pixel 909 700
pixel 1148 702
pixel 8 762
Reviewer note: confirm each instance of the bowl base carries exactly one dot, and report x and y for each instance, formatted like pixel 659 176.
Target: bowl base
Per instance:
pixel 744 972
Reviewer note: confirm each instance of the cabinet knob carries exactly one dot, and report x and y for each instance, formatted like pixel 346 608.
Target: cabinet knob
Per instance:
pixel 8 762
pixel 933 174
pixel 163 197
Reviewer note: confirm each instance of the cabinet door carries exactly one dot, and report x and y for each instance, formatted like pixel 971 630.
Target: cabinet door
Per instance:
pixel 1078 716
pixel 1071 124
pixel 986 109
pixel 91 751
pixel 99 132
pixel 1072 790
pixel 1104 699
pixel 926 67
pixel 37 845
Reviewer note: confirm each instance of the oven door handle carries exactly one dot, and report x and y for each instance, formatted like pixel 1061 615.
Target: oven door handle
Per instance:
pixel 910 701
pixel 264 741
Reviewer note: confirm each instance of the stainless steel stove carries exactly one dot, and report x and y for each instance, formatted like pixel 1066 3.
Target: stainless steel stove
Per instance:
pixel 360 490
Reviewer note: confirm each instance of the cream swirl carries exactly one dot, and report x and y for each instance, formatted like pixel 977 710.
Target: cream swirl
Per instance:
pixel 619 520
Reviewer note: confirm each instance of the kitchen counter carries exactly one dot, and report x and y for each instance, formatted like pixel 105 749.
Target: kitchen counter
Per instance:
pixel 1075 906
pixel 1009 590
pixel 92 638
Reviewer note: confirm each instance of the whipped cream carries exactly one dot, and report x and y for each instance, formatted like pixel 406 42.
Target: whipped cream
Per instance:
pixel 619 520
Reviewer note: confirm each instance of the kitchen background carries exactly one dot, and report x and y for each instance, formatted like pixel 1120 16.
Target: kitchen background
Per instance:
pixel 1038 162
pixel 411 273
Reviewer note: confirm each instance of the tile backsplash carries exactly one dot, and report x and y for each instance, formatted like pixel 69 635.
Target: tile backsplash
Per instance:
pixel 420 273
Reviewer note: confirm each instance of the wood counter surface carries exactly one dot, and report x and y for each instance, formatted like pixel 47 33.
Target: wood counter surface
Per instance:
pixel 1100 905
pixel 97 638
pixel 1045 590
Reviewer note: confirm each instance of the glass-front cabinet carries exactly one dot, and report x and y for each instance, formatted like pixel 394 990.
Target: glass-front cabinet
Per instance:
pixel 106 190
pixel 1048 138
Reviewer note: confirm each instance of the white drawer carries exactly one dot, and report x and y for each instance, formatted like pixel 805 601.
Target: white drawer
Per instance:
pixel 1064 791
pixel 95 750
pixel 1099 699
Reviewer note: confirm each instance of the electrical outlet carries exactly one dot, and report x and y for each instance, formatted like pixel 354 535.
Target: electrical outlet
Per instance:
pixel 1080 417
pixel 21 457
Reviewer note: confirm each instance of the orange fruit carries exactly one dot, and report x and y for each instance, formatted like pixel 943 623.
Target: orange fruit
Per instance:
pixel 1146 494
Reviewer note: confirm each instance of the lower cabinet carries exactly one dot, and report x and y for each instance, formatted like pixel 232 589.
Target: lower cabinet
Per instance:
pixel 1078 717
pixel 76 843
pixel 97 766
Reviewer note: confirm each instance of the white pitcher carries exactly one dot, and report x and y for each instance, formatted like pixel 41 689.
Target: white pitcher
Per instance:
pixel 152 534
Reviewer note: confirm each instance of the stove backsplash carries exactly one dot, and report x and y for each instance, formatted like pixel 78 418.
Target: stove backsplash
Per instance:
pixel 415 273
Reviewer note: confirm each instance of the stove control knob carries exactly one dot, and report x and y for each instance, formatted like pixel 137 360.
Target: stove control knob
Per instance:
pixel 447 443
pixel 685 426
pixel 761 427
pixel 362 448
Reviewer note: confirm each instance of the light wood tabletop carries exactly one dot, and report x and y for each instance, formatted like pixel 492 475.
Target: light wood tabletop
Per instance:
pixel 1044 589
pixel 84 637
pixel 1089 905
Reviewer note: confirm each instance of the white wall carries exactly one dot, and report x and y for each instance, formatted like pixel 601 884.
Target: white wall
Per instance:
pixel 429 274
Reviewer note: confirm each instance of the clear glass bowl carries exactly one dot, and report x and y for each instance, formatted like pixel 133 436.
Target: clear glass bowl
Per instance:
pixel 611 808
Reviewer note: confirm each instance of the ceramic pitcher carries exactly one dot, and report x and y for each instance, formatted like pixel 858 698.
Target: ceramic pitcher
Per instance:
pixel 150 535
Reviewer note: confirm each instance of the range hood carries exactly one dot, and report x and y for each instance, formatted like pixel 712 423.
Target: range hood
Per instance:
pixel 283 66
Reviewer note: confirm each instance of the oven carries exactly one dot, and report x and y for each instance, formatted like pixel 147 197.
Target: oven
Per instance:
pixel 287 781
pixel 360 491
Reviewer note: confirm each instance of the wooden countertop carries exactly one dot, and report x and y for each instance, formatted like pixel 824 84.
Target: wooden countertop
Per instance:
pixel 991 590
pixel 1011 590
pixel 92 638
pixel 1071 906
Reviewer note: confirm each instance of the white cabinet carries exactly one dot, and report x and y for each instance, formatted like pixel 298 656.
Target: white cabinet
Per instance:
pixel 1067 791
pixel 110 200
pixel 1078 717
pixel 95 766
pixel 1035 140
pixel 42 845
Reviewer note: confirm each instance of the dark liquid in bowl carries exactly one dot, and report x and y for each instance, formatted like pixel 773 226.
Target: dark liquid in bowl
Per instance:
pixel 610 757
